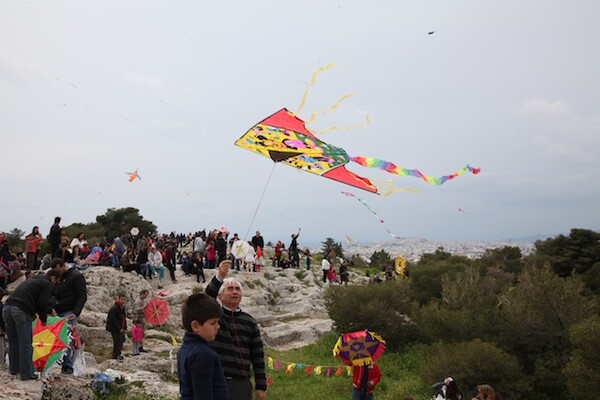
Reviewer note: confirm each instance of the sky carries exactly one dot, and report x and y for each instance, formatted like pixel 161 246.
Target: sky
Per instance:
pixel 90 90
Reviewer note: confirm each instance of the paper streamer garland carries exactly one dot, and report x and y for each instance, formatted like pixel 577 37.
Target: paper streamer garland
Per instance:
pixel 288 368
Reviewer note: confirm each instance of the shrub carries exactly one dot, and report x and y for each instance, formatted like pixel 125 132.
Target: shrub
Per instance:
pixel 383 308
pixel 582 372
pixel 476 362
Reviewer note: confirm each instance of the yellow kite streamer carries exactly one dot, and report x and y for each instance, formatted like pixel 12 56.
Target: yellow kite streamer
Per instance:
pixel 313 79
pixel 391 189
pixel 345 128
pixel 330 109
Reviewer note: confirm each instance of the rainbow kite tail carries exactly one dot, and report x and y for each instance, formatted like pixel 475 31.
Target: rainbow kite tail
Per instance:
pixel 392 168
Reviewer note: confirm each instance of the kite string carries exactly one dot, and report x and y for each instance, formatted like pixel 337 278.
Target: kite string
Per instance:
pixel 260 201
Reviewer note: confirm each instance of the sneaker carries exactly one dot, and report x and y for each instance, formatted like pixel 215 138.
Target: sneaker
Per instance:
pixel 120 357
pixel 136 354
pixel 67 371
pixel 142 350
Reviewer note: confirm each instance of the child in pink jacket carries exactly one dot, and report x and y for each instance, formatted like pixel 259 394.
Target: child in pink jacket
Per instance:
pixel 137 337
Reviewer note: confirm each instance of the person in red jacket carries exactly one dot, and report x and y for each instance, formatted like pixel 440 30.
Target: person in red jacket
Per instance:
pixel 364 380
pixel 32 247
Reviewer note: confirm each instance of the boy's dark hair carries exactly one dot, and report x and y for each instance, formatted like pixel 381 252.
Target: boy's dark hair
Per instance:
pixel 199 307
pixel 53 273
pixel 56 262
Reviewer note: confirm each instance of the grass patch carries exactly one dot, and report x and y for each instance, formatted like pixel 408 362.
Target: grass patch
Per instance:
pixel 268 276
pixel 300 275
pixel 400 374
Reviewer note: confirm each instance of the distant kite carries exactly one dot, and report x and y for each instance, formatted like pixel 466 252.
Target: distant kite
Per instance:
pixel 133 175
pixel 377 217
pixel 431 32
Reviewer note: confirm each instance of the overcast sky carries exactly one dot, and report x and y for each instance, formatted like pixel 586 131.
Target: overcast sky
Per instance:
pixel 92 89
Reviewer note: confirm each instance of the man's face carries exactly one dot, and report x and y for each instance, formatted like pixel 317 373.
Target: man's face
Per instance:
pixel 231 296
pixel 62 268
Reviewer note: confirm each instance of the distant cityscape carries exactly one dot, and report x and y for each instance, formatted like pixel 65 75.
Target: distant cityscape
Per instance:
pixel 413 248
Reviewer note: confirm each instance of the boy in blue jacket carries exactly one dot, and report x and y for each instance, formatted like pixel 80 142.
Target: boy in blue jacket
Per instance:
pixel 199 369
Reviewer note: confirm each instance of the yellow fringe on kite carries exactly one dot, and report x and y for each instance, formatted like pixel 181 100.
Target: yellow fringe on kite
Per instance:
pixel 330 109
pixel 313 78
pixel 346 128
pixel 390 188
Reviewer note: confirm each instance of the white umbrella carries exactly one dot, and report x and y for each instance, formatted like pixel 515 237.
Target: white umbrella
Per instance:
pixel 240 249
pixel 134 231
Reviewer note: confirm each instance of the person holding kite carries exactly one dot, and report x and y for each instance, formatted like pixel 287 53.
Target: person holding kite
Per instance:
pixel 31 297
pixel 238 335
pixel 68 298
pixel 364 380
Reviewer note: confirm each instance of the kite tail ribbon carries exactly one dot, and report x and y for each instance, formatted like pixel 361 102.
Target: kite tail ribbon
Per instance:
pixel 392 168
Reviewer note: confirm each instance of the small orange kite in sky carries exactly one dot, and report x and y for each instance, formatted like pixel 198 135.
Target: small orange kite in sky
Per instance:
pixel 133 175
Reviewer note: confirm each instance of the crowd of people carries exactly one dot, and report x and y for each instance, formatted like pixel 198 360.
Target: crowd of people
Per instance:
pixel 222 354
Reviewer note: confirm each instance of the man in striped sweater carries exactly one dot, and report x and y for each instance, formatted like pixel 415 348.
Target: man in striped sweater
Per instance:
pixel 238 342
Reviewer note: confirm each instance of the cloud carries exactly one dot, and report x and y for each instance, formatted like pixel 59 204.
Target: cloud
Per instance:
pixel 562 133
pixel 143 80
pixel 544 107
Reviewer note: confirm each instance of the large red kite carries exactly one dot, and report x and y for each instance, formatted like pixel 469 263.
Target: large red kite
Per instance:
pixel 283 137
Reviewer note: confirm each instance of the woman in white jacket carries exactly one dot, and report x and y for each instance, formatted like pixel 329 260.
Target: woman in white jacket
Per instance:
pixel 155 261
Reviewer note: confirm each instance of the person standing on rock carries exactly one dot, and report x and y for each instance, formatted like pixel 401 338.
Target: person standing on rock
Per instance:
pixel 32 247
pixel 238 342
pixel 31 297
pixel 294 253
pixel 68 298
pixel 116 324
pixel 54 236
pixel 138 314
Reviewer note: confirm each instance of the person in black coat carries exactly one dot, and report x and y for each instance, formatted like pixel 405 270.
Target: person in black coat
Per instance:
pixel 116 324
pixel 54 235
pixel 31 297
pixel 68 298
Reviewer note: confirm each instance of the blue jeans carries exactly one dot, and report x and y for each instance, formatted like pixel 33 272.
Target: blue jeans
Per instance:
pixel 67 361
pixel 358 395
pixel 20 347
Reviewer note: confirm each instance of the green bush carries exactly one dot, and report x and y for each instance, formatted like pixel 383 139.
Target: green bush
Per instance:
pixel 382 308
pixel 473 363
pixel 582 372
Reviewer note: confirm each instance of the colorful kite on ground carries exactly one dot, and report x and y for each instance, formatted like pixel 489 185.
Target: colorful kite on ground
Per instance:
pixel 133 175
pixel 370 209
pixel 49 342
pixel 283 137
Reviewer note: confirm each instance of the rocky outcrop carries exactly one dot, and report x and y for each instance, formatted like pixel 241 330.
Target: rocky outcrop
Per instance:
pixel 287 304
